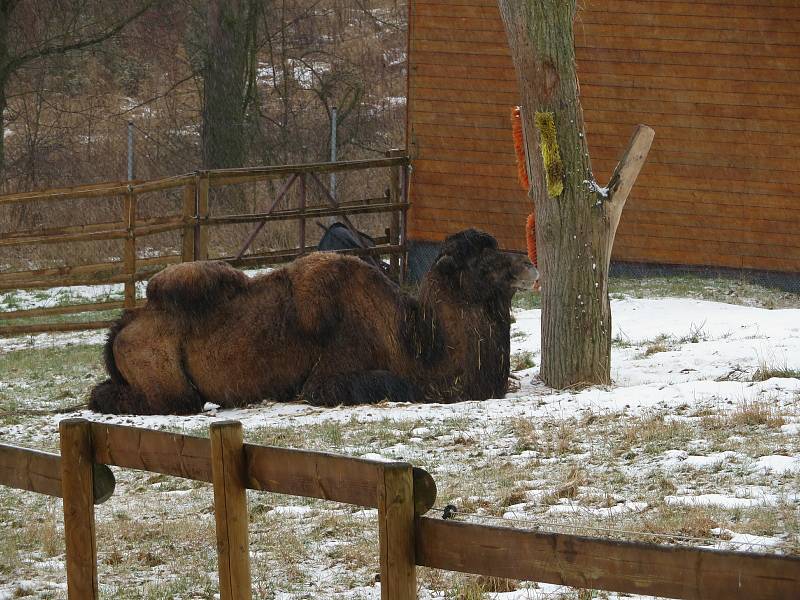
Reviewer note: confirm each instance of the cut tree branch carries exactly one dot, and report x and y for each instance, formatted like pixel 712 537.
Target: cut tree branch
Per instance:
pixel 626 172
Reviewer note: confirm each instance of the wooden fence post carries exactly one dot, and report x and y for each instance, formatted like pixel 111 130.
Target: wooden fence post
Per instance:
pixel 302 225
pixel 228 470
pixel 395 197
pixel 77 489
pixel 201 229
pixel 396 532
pixel 129 255
pixel 189 214
pixel 403 240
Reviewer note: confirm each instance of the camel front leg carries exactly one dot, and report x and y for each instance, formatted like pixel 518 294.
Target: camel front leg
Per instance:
pixel 364 387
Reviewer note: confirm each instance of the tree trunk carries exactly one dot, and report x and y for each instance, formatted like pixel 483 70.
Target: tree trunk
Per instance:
pixel 224 91
pixel 5 64
pixel 224 85
pixel 575 223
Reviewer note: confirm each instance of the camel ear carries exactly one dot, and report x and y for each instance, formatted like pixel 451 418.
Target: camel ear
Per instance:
pixel 446 265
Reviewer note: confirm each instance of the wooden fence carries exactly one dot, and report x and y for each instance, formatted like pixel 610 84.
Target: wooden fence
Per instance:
pixel 402 494
pixel 193 224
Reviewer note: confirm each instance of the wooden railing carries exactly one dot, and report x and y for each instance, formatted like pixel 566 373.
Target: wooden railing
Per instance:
pixel 401 493
pixel 194 224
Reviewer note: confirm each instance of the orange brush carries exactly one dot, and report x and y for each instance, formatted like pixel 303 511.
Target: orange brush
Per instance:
pixel 519 146
pixel 522 175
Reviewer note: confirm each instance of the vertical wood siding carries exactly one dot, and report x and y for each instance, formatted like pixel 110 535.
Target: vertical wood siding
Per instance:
pixel 719 81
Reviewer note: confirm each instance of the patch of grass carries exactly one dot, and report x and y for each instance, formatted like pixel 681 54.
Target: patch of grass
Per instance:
pixel 768 370
pixel 661 343
pixel 53 377
pixel 654 434
pixel 523 429
pixel 690 521
pixel 621 341
pixel 696 334
pixel 717 289
pixel 522 360
pixel 749 413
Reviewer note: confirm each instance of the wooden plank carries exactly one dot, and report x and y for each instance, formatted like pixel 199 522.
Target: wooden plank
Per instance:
pixel 322 475
pixel 53 231
pixel 681 35
pixel 719 178
pixel 672 113
pixel 30 470
pixel 59 310
pixel 77 491
pixel 432 124
pixel 228 470
pixel 167 183
pixel 669 149
pixel 587 66
pixel 280 470
pixel 633 43
pixel 395 490
pixel 723 200
pixel 696 9
pixel 313 474
pixel 700 257
pixel 688 246
pixel 759 21
pixel 40 472
pixel 711 215
pixel 11 330
pixel 474 214
pixel 628 567
pixel 156 451
pixel 84 191
pixel 725 241
pixel 229 176
pixel 672 57
pixel 98 270
pixel 286 256
pixel 446 95
pixel 309 213
pixel 117 276
pixel 690 136
pixel 785 93
pixel 91 236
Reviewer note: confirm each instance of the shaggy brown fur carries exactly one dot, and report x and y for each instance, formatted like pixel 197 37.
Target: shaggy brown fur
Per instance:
pixel 329 329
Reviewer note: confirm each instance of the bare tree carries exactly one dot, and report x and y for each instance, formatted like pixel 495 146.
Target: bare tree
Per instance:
pixel 576 219
pixel 37 30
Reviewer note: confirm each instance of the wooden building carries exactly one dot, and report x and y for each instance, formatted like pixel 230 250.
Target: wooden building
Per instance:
pixel 718 80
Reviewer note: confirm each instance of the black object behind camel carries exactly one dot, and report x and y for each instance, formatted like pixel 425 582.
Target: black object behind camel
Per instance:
pixel 340 237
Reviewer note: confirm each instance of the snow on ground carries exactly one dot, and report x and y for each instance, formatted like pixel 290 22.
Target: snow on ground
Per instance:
pixel 687 445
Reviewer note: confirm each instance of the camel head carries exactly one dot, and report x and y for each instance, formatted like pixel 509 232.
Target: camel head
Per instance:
pixel 472 265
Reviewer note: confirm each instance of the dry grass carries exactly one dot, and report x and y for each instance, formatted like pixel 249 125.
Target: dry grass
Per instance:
pixel 654 433
pixel 768 370
pixel 748 413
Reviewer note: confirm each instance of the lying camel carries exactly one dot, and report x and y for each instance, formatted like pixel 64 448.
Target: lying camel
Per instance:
pixel 328 329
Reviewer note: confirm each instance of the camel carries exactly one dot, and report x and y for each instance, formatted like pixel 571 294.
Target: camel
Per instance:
pixel 327 329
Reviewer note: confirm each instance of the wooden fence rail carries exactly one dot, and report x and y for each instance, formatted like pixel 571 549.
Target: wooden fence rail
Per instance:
pixel 193 225
pixel 401 493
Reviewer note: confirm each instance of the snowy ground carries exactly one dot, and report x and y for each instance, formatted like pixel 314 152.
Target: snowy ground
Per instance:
pixel 697 442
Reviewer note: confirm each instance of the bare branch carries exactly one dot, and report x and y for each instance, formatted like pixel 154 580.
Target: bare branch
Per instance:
pixel 52 50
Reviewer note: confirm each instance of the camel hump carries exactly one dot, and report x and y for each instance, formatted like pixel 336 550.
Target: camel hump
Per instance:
pixel 317 284
pixel 195 286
